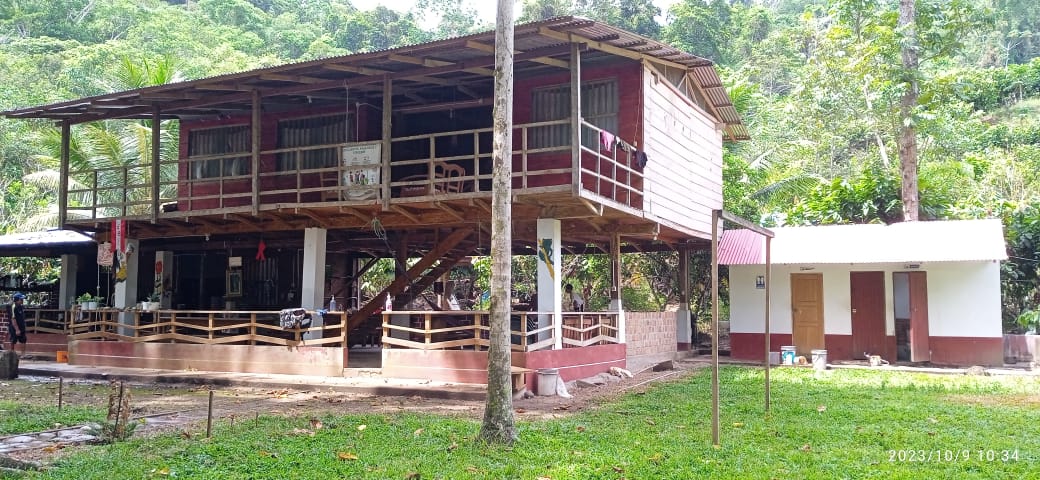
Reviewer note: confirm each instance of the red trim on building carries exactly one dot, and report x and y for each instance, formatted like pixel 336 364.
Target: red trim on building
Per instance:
pixel 750 346
pixel 967 351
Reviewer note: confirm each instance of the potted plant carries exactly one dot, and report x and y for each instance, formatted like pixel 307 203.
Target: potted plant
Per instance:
pixel 88 302
pixel 151 303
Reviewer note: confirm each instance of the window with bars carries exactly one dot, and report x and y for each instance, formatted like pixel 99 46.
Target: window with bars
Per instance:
pixel 599 106
pixel 310 132
pixel 220 141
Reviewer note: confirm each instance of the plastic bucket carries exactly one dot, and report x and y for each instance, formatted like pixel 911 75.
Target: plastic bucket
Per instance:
pixel 61 356
pixel 819 359
pixel 547 378
pixel 787 355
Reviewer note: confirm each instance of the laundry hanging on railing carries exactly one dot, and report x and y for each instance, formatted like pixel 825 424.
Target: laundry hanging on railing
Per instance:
pixel 607 140
pixel 294 318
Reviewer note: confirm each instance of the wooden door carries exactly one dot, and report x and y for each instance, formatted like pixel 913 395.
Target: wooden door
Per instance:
pixel 807 311
pixel 919 349
pixel 867 291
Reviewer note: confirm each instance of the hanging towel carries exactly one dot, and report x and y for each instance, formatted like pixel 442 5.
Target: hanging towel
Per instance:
pixel 294 318
pixel 607 140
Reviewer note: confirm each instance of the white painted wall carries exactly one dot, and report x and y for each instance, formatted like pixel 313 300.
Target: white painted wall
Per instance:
pixel 684 150
pixel 963 298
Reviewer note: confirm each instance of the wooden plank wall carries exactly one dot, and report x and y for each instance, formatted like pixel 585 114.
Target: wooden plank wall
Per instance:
pixel 684 171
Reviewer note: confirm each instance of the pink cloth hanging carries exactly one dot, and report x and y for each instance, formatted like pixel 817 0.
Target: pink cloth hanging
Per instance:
pixel 607 139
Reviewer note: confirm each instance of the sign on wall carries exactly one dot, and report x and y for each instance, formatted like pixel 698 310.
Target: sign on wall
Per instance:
pixel 362 164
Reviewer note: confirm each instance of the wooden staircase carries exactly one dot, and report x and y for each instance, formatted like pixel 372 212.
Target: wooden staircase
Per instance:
pixel 427 270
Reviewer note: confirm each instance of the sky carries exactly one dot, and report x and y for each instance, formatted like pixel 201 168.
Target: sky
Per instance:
pixel 485 8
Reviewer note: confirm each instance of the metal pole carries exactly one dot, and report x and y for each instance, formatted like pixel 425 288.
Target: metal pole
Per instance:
pixel 715 327
pixel 768 286
pixel 209 415
pixel 61 392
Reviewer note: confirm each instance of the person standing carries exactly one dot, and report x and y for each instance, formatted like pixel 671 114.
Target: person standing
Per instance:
pixel 17 329
pixel 573 300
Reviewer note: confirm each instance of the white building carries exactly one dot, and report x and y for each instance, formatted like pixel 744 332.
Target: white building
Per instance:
pixel 912 291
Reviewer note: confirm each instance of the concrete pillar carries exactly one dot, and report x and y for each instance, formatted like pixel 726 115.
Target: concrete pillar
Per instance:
pixel 125 293
pixel 615 285
pixel 683 328
pixel 312 286
pixel 550 290
pixel 67 284
pixel 163 282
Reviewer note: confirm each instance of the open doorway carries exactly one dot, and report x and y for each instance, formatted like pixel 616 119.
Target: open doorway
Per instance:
pixel 910 301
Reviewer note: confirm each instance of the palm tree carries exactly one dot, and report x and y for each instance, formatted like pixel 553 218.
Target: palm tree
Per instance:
pixel 109 161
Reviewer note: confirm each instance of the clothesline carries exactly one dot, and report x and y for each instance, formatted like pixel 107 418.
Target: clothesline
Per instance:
pixel 608 141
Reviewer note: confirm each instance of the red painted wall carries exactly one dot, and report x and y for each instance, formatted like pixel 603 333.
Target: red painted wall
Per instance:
pixel 627 72
pixel 268 141
pixel 967 351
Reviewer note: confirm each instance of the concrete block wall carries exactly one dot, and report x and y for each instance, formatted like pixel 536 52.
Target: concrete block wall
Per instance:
pixel 650 334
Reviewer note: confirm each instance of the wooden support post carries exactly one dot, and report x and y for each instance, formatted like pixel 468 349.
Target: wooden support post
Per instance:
pixel 209 416
pixel 684 294
pixel 63 187
pixel 768 286
pixel 715 215
pixel 255 152
pixel 576 118
pixel 388 104
pixel 428 325
pixel 156 121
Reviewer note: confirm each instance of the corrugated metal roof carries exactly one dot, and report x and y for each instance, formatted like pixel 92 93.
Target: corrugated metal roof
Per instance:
pixel 47 238
pixel 464 60
pixel 937 241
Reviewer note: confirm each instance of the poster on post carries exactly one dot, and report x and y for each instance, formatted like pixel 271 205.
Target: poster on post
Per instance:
pixel 362 164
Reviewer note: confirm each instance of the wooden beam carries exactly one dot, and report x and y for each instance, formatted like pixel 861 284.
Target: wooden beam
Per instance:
pixel 399 281
pixel 605 47
pixel 483 47
pixel 388 105
pixel 63 180
pixel 575 120
pixel 426 62
pixel 729 217
pixel 404 211
pixel 357 213
pixel 450 211
pixel 291 78
pixel 156 120
pixel 595 209
pixel 481 205
pixel 715 215
pixel 255 152
pixel 321 220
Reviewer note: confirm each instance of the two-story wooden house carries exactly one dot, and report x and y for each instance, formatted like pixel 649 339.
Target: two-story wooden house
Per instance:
pixel 291 179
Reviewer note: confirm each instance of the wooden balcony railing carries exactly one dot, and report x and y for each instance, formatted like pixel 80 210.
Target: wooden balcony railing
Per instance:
pixel 470 330
pixel 425 330
pixel 209 327
pixel 427 167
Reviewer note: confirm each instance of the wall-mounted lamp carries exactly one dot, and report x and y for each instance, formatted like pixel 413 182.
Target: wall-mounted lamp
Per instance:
pixel 911 266
pixel 806 269
pixel 760 282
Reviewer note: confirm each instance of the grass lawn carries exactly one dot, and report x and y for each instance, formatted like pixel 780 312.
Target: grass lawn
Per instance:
pixel 839 424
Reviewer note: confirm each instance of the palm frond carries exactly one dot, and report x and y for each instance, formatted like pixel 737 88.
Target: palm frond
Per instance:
pixel 788 188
